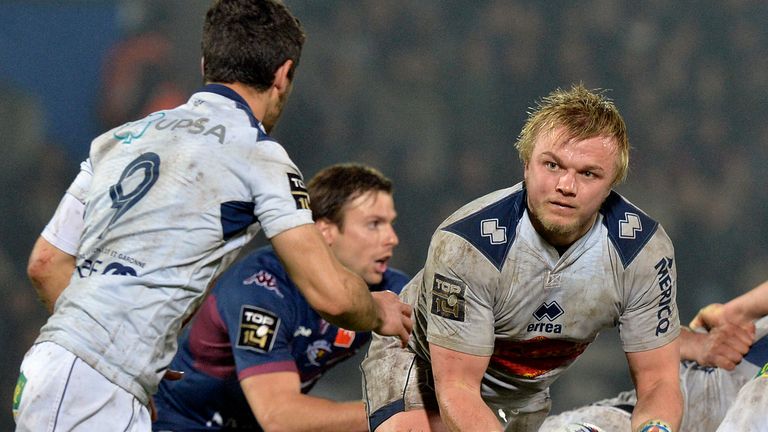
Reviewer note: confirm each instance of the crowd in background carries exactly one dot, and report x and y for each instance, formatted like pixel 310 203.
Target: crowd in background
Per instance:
pixel 433 93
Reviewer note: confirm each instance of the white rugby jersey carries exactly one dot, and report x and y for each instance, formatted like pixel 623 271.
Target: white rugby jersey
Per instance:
pixel 708 393
pixel 493 287
pixel 746 409
pixel 66 225
pixel 172 199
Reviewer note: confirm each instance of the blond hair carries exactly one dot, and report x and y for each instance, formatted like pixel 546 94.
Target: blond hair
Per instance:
pixel 584 114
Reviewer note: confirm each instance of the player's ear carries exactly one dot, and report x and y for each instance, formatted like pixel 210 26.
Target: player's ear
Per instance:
pixel 327 229
pixel 282 81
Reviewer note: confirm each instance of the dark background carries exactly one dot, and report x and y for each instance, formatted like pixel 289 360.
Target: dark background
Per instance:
pixel 433 93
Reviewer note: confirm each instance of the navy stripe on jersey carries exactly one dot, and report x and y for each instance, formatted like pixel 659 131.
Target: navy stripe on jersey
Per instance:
pixel 228 93
pixel 629 228
pixel 236 217
pixel 384 413
pixel 503 215
pixel 758 352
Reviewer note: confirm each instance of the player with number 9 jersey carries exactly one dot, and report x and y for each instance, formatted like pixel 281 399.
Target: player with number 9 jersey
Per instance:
pixel 172 199
pixel 170 203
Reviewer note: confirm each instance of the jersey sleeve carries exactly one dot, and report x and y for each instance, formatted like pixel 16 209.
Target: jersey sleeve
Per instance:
pixel 257 309
pixel 280 196
pixel 650 318
pixel 64 229
pixel 458 300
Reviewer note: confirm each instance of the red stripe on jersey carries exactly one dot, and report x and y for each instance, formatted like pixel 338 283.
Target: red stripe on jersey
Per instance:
pixel 533 357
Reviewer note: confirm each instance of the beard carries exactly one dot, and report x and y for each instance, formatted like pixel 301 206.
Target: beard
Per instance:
pixel 557 233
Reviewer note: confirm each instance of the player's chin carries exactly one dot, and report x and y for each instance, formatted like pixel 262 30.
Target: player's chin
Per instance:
pixel 373 277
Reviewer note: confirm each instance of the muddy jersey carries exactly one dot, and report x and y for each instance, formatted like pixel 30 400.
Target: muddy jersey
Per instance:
pixel 255 321
pixel 172 199
pixel 491 286
pixel 708 393
pixel 748 407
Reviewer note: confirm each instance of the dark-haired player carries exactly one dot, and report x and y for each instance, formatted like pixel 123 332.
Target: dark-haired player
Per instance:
pixel 171 200
pixel 256 347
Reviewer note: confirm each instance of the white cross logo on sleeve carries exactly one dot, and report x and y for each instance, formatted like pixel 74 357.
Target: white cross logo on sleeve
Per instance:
pixel 630 226
pixel 490 228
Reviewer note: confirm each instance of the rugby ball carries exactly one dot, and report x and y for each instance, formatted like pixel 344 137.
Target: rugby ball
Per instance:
pixel 581 427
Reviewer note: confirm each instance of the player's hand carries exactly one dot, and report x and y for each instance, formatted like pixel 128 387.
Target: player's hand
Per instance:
pixel 395 316
pixel 708 317
pixel 723 346
pixel 717 314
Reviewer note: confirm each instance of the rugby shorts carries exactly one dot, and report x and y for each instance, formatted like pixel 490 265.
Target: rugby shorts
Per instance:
pixel 57 391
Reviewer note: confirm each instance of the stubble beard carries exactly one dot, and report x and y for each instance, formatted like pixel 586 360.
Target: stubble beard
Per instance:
pixel 552 231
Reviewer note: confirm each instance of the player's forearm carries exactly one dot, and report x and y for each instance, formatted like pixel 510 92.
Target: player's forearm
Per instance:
pixel 337 294
pixel 663 402
pixel 461 411
pixel 309 413
pixel 690 342
pixel 49 270
pixel 48 291
pixel 356 309
pixel 751 305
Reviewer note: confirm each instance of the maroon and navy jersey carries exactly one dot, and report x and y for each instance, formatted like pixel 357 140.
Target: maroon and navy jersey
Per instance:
pixel 254 321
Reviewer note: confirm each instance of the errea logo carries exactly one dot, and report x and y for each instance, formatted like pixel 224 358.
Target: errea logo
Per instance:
pixel 630 226
pixel 550 311
pixel 490 228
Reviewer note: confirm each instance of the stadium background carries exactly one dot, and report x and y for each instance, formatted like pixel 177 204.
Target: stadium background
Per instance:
pixel 431 92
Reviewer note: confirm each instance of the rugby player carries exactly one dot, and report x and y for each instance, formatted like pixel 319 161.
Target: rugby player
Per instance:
pixel 170 200
pixel 519 282
pixel 715 365
pixel 256 347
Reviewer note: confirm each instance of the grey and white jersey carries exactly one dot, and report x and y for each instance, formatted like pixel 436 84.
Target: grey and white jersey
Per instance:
pixel 66 225
pixel 173 198
pixel 493 287
pixel 747 412
pixel 708 393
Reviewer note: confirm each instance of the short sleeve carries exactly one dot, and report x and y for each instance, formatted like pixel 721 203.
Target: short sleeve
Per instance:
pixel 280 195
pixel 458 299
pixel 650 318
pixel 65 227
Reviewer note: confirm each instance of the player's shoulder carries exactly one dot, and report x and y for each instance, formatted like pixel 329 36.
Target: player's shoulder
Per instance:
pixel 629 229
pixel 497 204
pixel 489 223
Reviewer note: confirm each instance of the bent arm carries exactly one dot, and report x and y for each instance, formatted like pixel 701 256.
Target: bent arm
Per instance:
pixel 742 310
pixel 457 385
pixel 335 292
pixel 339 295
pixel 656 376
pixel 278 404
pixel 49 269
